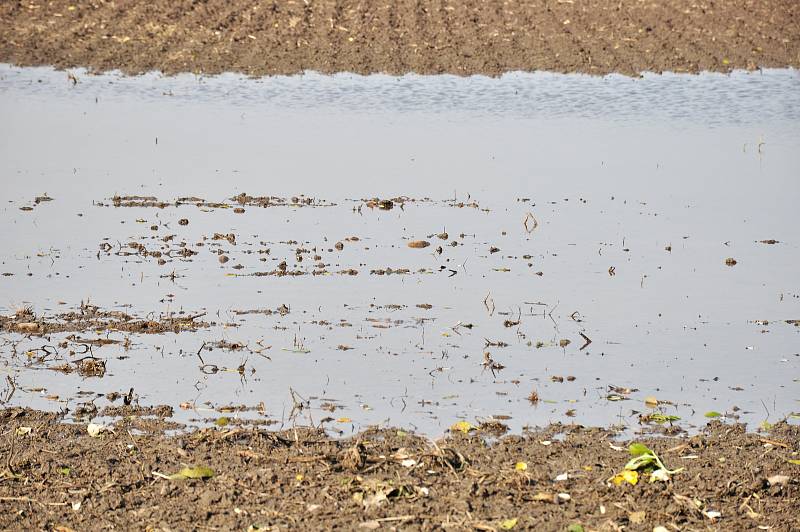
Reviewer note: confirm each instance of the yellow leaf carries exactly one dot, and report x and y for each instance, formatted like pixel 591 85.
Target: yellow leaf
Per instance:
pixel 795 462
pixel 298 477
pixel 650 402
pixel 521 466
pixel 631 477
pixel 462 426
pixel 200 472
pixel 508 524
pixel 344 420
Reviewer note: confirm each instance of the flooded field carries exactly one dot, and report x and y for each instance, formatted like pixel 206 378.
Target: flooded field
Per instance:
pixel 410 252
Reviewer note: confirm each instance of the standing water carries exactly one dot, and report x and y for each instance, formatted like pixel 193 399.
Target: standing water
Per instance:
pixel 601 250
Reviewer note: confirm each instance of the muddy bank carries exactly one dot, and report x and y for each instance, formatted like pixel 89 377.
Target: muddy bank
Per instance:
pixel 595 36
pixel 58 476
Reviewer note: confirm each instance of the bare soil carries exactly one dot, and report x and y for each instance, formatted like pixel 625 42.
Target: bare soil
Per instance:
pixel 57 477
pixel 445 36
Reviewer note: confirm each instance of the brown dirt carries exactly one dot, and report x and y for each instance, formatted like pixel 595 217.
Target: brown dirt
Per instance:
pixel 55 475
pixel 240 199
pixel 89 318
pixel 453 36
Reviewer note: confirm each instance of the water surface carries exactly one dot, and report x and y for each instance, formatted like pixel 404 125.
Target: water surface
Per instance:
pixel 657 180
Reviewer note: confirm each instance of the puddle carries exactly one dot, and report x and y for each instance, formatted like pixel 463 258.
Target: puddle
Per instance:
pixel 574 208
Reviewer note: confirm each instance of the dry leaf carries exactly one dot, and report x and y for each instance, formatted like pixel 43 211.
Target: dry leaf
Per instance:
pixel 778 480
pixel 95 429
pixel 637 518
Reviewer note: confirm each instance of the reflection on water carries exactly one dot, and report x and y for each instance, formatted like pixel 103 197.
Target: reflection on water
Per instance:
pixel 641 190
pixel 739 98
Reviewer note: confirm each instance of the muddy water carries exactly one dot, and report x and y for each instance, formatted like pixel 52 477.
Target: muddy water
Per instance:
pixel 640 191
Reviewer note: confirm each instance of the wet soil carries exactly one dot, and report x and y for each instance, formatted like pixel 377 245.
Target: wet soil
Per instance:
pixel 594 36
pixel 57 477
pixel 89 318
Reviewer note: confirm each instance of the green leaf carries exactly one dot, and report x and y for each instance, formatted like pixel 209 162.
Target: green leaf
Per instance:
pixel 638 449
pixel 663 418
pixel 641 461
pixel 575 528
pixel 193 472
pixel 64 470
pixel 713 413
